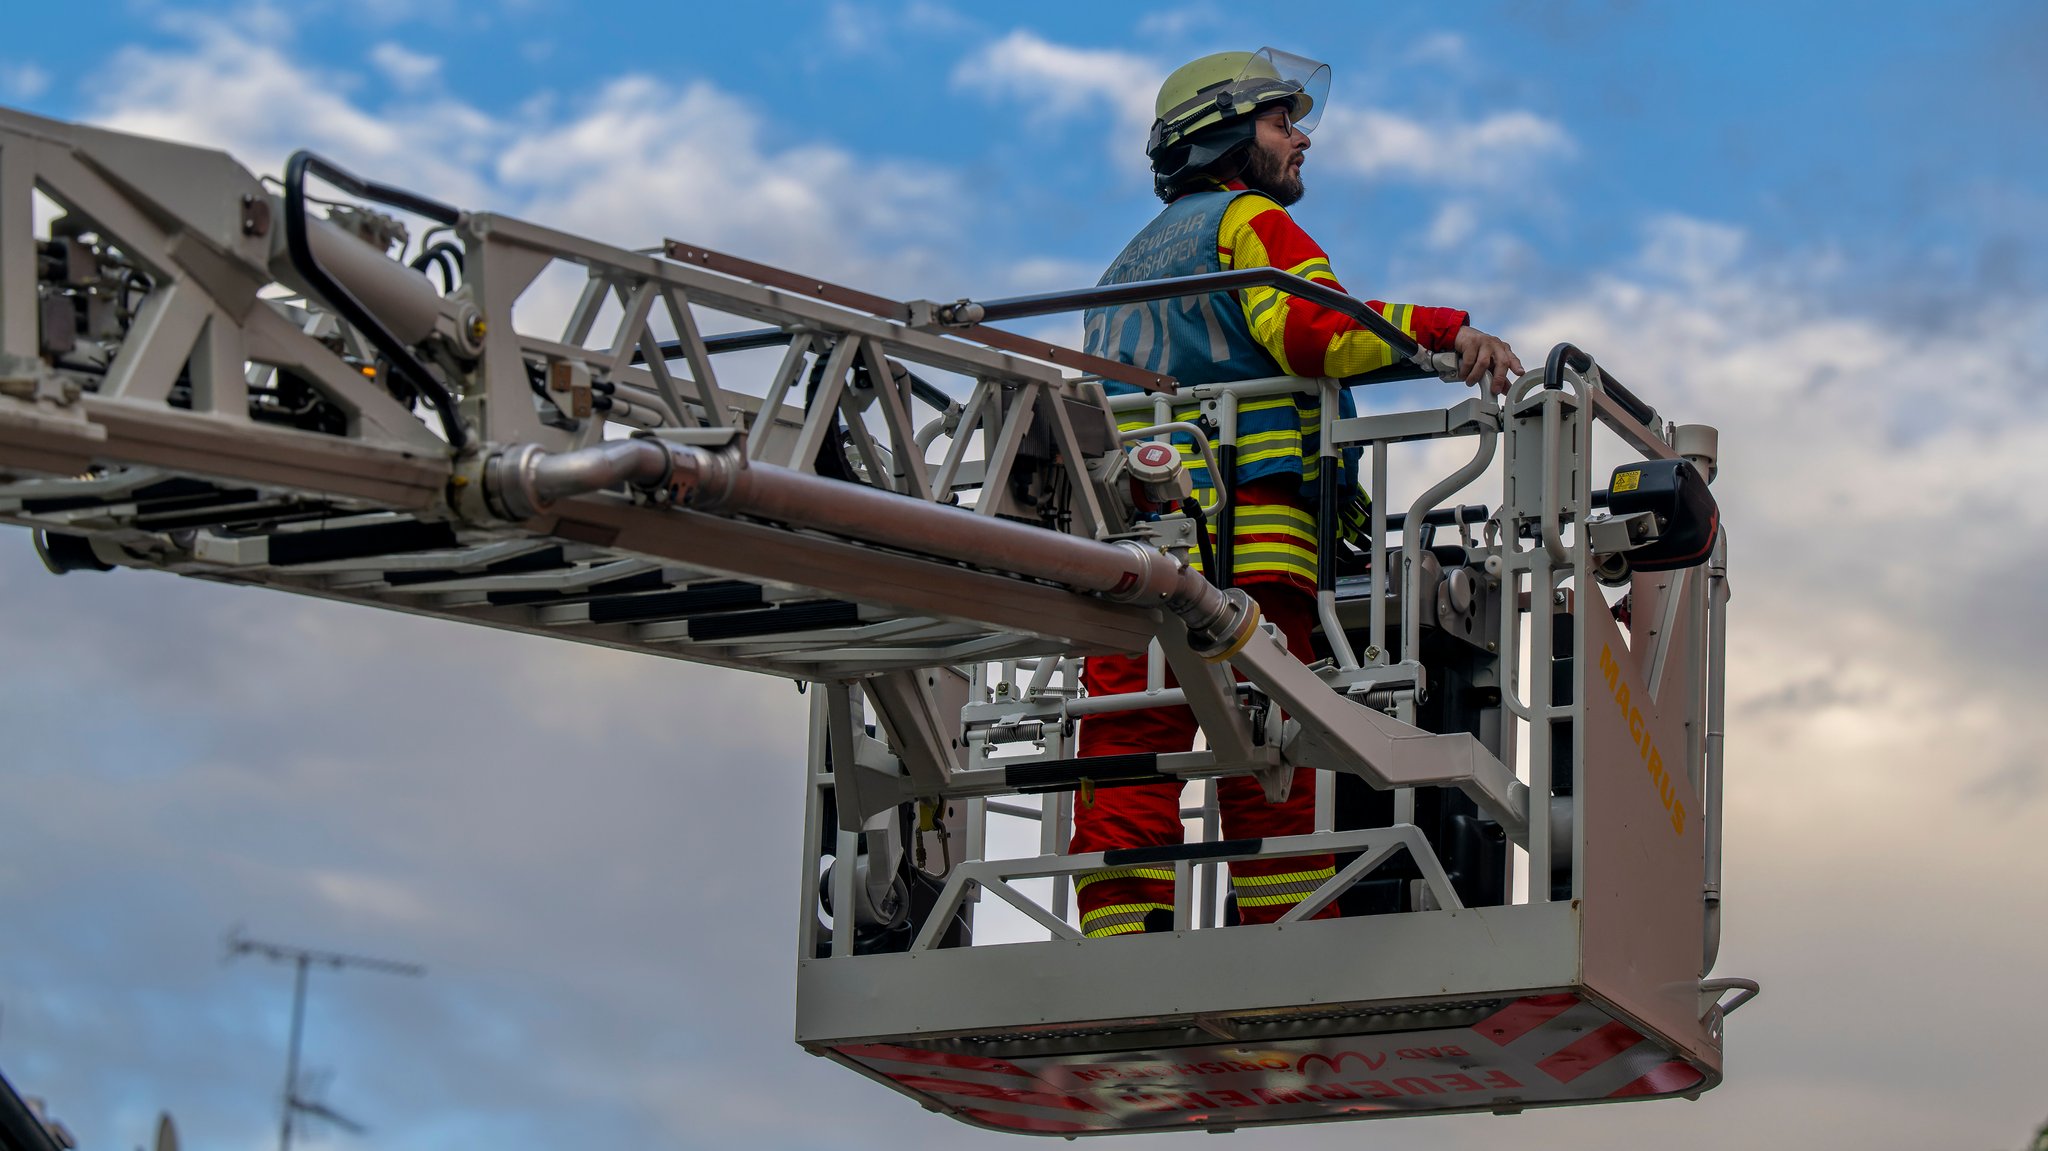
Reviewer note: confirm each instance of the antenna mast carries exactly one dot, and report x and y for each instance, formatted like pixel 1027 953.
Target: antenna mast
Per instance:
pixel 303 960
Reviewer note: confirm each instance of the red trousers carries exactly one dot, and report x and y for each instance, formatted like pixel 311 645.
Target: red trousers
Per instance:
pixel 1118 900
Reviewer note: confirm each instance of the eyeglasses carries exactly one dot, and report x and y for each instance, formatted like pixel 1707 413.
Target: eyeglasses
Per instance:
pixel 1279 118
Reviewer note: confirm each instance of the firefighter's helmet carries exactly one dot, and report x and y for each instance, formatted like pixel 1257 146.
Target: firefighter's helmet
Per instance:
pixel 1205 107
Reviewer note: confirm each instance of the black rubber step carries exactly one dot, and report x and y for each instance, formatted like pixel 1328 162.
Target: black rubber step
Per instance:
pixel 391 538
pixel 1174 853
pixel 782 620
pixel 545 559
pixel 1099 770
pixel 683 603
pixel 639 581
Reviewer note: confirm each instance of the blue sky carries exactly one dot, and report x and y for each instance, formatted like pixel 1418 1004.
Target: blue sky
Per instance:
pixel 1894 136
pixel 1815 226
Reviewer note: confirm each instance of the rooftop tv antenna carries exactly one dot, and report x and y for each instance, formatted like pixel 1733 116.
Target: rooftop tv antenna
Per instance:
pixel 303 959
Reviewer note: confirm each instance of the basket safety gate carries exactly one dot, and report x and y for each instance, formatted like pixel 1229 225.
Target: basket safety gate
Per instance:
pixel 934 521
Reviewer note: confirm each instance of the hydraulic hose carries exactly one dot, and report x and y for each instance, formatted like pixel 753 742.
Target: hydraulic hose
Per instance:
pixel 1193 507
pixel 298 240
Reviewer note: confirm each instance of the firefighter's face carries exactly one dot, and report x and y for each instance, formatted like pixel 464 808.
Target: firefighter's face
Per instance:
pixel 1276 157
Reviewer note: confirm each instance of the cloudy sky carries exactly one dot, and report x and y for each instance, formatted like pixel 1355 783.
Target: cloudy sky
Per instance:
pixel 1819 229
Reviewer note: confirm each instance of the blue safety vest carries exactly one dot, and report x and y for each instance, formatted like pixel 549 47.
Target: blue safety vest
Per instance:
pixel 1205 339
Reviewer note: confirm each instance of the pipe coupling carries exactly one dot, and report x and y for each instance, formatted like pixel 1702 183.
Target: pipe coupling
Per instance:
pixel 701 478
pixel 1219 622
pixel 523 481
pixel 509 482
pixel 1219 626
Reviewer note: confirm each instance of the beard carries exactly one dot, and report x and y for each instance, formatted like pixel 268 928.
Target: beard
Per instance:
pixel 1265 172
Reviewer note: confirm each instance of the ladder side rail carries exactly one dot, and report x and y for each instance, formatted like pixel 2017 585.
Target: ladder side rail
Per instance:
pixel 817 784
pixel 744 298
pixel 1716 719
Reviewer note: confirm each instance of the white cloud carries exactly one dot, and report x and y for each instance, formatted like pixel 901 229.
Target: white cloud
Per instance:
pixel 1691 251
pixel 870 30
pixel 1466 154
pixel 1452 226
pixel 1441 49
pixel 634 162
pixel 1054 80
pixel 851 28
pixel 404 67
pixel 351 893
pixel 1176 22
pixel 395 12
pixel 23 81
pixel 1868 494
pixel 930 16
pixel 243 91
pixel 643 160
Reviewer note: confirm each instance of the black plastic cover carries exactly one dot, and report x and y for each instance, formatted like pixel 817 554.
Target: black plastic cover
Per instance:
pixel 1688 519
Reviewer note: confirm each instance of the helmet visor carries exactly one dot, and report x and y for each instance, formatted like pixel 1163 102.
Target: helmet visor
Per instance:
pixel 1273 75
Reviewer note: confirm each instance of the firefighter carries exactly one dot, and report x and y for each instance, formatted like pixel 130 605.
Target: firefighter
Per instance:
pixel 1227 151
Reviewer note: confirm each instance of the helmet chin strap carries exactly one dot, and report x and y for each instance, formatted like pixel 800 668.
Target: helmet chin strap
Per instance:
pixel 1239 159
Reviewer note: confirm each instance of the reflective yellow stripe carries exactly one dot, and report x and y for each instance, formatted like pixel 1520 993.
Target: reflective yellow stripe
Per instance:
pixel 1282 877
pixel 1265 404
pixel 1278 436
pixel 1274 550
pixel 1241 882
pixel 1087 877
pixel 1307 269
pixel 1265 301
pixel 1273 900
pixel 1259 525
pixel 1273 890
pixel 1275 513
pixel 1119 918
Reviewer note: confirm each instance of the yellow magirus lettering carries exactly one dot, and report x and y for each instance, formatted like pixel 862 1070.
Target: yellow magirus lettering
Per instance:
pixel 1639 731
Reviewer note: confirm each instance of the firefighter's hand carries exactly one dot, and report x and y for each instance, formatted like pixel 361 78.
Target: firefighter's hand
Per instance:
pixel 1482 355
